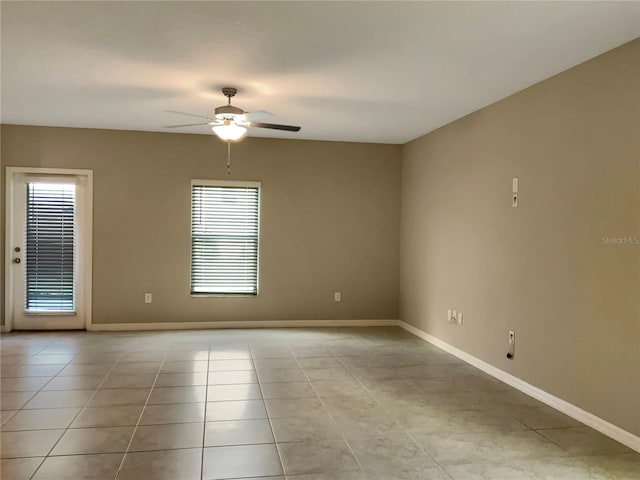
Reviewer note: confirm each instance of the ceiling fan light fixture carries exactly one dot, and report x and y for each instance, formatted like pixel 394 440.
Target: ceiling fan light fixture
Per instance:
pixel 229 131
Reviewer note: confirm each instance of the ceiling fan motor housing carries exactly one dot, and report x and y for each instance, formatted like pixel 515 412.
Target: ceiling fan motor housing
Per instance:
pixel 228 111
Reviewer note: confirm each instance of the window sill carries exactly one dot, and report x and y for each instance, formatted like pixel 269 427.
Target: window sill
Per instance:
pixel 231 295
pixel 57 313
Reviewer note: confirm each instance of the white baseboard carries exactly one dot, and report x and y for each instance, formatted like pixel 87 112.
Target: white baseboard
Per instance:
pixel 626 438
pixel 118 327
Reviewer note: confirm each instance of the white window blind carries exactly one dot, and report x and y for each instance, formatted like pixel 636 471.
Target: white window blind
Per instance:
pixel 50 244
pixel 224 238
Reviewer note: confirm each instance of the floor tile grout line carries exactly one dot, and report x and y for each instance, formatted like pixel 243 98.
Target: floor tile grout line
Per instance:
pixel 386 410
pixel 144 407
pixel 204 418
pixel 541 435
pixel 427 452
pixel 406 431
pixel 22 364
pixel 539 430
pixel 324 405
pixel 74 418
pixel 444 472
pixel 264 404
pixel 6 420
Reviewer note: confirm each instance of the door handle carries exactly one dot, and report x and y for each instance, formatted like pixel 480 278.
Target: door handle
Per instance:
pixel 16 260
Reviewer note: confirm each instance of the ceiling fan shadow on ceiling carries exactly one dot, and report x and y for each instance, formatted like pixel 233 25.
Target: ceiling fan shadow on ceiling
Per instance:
pixel 230 123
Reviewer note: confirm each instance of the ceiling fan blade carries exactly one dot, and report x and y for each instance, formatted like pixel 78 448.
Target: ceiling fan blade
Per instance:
pixel 185 125
pixel 275 126
pixel 188 114
pixel 257 115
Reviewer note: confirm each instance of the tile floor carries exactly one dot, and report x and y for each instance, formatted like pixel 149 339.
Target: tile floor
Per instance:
pixel 297 404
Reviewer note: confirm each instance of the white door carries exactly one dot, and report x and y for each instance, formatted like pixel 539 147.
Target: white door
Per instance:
pixel 48 251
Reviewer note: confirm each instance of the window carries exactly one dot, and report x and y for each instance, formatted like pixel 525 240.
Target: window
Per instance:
pixel 224 237
pixel 50 234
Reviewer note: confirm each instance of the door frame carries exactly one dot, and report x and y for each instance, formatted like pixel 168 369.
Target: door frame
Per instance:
pixel 85 271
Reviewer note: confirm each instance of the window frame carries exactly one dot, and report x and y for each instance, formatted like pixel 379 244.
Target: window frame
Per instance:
pixel 60 180
pixel 224 183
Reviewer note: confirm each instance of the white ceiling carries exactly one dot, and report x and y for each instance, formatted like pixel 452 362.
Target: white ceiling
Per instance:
pixel 363 71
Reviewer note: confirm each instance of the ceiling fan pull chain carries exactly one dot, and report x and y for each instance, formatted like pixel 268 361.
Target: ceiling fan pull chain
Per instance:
pixel 228 157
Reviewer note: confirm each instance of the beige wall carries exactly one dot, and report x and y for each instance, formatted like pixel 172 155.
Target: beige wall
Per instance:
pixel 540 269
pixel 330 221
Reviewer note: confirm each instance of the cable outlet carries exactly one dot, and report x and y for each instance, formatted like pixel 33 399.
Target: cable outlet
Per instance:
pixel 148 298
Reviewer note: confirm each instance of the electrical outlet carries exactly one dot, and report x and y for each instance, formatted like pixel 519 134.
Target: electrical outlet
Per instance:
pixel 148 298
pixel 459 317
pixel 337 297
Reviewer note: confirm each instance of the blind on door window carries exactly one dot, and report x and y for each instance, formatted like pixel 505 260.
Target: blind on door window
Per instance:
pixel 224 239
pixel 50 241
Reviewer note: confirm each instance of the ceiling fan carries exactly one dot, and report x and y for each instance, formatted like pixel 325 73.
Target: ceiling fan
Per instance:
pixel 230 123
